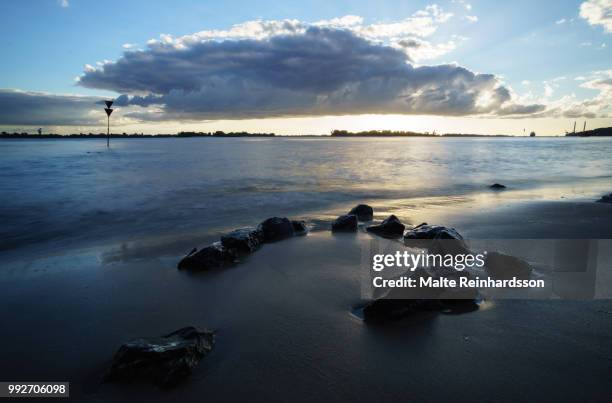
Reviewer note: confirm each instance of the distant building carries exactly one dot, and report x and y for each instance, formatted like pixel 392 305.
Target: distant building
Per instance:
pixel 532 134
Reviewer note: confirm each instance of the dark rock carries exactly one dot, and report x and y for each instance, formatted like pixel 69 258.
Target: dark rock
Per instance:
pixel 299 228
pixel 276 229
pixel 437 239
pixel 397 303
pixel 448 246
pixel 345 223
pixel 501 266
pixel 605 199
pixel 243 241
pixel 391 227
pixel 383 309
pixel 448 301
pixel 363 212
pixel 164 360
pixel 497 186
pixel 210 257
pixel 425 231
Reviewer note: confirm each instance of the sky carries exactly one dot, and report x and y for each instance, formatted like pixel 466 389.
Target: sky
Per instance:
pixel 454 66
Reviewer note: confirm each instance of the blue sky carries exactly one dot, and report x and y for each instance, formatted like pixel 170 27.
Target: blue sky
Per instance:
pixel 540 51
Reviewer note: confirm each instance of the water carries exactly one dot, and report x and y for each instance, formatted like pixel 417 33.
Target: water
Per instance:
pixel 75 191
pixel 282 315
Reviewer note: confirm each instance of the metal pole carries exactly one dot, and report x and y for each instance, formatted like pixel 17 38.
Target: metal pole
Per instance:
pixel 108 131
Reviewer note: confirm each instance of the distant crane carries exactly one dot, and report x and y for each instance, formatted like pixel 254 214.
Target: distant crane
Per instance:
pixel 108 111
pixel 584 127
pixel 574 127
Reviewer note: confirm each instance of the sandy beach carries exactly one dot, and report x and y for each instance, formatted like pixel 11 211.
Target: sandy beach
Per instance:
pixel 284 324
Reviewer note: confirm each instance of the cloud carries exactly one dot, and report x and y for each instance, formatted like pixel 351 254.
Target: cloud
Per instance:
pixel 289 68
pixel 548 90
pixel 471 18
pixel 38 108
pixel 64 3
pixel 466 5
pixel 598 12
pixel 598 106
pixel 561 21
pixel 418 50
pixel 129 45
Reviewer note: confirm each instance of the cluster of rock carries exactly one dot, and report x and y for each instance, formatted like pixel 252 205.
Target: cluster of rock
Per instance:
pixel 164 360
pixel 168 359
pixel 241 242
pixel 349 222
pixel 438 240
pixel 391 227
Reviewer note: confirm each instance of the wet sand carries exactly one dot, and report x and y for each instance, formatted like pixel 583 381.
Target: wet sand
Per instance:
pixel 284 326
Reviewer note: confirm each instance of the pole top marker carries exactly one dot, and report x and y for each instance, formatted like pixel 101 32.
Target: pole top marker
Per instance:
pixel 108 103
pixel 108 111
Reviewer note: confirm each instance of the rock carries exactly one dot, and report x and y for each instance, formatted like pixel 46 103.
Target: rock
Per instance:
pixel 345 223
pixel 164 360
pixel 383 309
pixel 299 228
pixel 276 229
pixel 425 231
pixel 210 257
pixel 391 227
pixel 437 239
pixel 501 266
pixel 497 186
pixel 605 199
pixel 243 241
pixel 363 212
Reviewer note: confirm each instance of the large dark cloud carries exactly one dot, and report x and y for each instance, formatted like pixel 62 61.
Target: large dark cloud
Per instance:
pixel 318 71
pixel 35 108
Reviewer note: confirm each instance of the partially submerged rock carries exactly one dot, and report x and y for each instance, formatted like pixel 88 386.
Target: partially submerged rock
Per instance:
pixel 243 241
pixel 299 228
pixel 391 227
pixel 437 238
pixel 164 360
pixel 605 199
pixel 425 231
pixel 502 266
pixel 345 223
pixel 213 256
pixel 363 212
pixel 497 186
pixel 385 310
pixel 276 229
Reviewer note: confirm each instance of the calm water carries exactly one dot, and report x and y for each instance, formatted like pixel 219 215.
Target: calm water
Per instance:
pixel 77 191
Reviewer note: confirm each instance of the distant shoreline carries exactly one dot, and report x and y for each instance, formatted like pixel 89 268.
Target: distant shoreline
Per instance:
pixel 601 132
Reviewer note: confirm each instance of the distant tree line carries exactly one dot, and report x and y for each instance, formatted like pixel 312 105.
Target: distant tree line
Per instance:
pixel 391 133
pixel 224 134
pixel 378 133
pixel 20 135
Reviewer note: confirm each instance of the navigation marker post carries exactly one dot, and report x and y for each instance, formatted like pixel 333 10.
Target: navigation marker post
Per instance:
pixel 108 110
